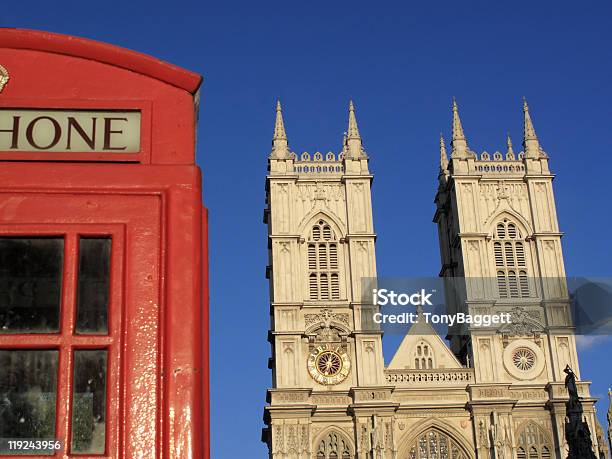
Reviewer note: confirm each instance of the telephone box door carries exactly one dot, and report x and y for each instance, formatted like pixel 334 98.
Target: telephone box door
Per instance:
pixel 80 286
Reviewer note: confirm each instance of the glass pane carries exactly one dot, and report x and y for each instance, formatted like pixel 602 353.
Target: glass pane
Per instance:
pixel 89 402
pixel 30 284
pixel 94 276
pixel 28 386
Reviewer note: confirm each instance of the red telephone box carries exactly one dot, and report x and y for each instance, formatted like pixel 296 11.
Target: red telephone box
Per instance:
pixel 103 256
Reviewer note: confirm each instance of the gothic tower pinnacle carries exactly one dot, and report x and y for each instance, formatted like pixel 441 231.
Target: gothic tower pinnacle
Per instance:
pixel 280 146
pixel 531 144
pixel 510 150
pixel 459 142
pixel 443 156
pixel 353 138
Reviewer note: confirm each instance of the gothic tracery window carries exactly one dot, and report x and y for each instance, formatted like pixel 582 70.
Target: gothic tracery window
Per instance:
pixel 510 261
pixel 323 263
pixel 423 356
pixel 533 443
pixel 333 446
pixel 433 444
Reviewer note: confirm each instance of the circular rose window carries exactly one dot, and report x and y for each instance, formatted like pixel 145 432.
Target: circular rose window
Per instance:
pixel 524 359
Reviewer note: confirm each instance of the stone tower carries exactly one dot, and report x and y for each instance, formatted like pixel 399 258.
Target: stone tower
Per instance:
pixel 489 393
pixel 498 229
pixel 329 397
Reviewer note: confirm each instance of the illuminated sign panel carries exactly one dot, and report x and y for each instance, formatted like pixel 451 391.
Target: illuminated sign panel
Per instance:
pixel 95 131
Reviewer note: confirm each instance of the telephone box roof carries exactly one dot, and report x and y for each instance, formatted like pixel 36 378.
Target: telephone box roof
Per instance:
pixel 101 52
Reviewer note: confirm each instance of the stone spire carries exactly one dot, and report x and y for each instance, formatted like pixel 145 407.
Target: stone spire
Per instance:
pixel 510 150
pixel 531 144
pixel 459 142
pixel 443 156
pixel 280 146
pixel 353 139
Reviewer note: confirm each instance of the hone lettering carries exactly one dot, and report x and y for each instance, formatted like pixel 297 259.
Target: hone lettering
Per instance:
pixel 69 131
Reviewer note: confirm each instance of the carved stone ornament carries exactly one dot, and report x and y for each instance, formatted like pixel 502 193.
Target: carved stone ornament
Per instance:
pixel 4 77
pixel 325 318
pixel 502 190
pixel 522 323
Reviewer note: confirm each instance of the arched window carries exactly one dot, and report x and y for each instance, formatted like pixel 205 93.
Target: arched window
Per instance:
pixel 423 356
pixel 333 446
pixel 533 443
pixel 433 444
pixel 323 263
pixel 510 261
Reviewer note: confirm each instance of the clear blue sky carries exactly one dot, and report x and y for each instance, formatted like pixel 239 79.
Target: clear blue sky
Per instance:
pixel 401 62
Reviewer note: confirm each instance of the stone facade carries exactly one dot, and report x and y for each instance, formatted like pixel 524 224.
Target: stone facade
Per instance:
pixel 491 393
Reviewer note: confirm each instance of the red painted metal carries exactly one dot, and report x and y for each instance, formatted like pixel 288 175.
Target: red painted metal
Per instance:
pixel 100 52
pixel 150 203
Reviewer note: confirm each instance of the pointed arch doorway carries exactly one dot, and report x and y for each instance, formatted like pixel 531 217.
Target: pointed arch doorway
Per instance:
pixel 433 443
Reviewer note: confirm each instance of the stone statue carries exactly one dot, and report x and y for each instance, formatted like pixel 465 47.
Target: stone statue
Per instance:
pixel 577 431
pixel 497 437
pixel 570 383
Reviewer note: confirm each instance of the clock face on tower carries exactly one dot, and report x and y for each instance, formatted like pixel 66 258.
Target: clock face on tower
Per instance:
pixel 328 364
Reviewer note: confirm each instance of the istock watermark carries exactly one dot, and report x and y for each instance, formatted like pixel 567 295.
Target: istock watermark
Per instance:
pixel 477 320
pixel 457 306
pixel 382 297
pixel 388 297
